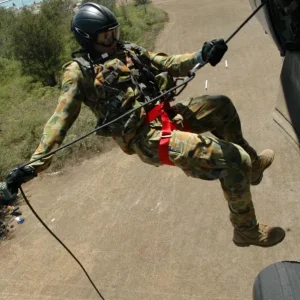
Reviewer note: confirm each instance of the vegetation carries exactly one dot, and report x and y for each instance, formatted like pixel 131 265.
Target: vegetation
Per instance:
pixel 141 2
pixel 33 47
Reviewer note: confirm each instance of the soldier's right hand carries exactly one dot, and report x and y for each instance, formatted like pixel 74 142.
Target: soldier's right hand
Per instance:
pixel 214 51
pixel 17 176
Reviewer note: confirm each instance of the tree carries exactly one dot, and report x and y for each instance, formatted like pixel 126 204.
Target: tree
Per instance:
pixel 37 45
pixel 7 20
pixel 58 12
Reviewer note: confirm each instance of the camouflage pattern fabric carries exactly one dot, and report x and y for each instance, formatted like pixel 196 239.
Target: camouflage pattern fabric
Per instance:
pixel 209 158
pixel 215 114
pixel 77 89
pixel 223 157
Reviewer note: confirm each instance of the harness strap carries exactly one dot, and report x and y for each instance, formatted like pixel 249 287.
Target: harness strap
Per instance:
pixel 160 110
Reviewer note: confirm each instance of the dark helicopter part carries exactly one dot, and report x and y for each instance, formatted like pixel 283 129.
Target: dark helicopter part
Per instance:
pixel 279 281
pixel 287 109
pixel 281 20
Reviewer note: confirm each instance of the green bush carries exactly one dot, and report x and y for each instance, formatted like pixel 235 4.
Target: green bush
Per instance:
pixel 142 2
pixel 38 39
pixel 7 21
pixel 140 26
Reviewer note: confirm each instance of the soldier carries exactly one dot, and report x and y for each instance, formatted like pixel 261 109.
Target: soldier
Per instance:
pixel 112 77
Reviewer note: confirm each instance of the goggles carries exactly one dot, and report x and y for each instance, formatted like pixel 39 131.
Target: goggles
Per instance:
pixel 107 38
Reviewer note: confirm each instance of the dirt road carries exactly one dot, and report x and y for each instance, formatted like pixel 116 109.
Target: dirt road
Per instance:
pixel 152 233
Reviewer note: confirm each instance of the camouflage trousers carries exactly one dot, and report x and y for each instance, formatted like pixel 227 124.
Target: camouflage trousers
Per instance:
pixel 225 156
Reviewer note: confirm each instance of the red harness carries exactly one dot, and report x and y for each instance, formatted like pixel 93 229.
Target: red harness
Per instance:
pixel 160 110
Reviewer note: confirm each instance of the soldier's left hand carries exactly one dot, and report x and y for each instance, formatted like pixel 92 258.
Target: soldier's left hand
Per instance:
pixel 16 177
pixel 214 51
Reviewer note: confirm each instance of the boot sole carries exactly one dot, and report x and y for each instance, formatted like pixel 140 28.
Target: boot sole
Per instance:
pixel 258 181
pixel 260 245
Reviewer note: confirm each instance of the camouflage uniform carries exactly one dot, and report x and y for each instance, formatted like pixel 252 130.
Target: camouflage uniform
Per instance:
pixel 221 157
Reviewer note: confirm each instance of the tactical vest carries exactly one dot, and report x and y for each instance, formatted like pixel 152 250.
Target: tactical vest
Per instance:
pixel 121 83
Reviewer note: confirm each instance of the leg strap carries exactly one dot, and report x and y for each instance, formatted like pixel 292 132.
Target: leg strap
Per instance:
pixel 160 110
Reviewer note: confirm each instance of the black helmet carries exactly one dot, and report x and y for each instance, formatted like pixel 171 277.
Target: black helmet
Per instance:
pixel 90 20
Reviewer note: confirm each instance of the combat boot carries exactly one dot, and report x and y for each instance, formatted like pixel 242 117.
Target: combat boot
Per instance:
pixel 258 235
pixel 262 162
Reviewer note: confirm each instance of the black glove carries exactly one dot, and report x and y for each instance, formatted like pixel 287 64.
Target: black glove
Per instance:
pixel 16 177
pixel 213 51
pixel 6 197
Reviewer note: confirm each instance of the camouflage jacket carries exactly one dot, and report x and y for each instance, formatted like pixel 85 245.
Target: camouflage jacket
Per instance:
pixel 78 88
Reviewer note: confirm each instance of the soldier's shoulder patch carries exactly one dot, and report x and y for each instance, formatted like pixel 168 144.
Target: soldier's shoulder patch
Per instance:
pixel 65 88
